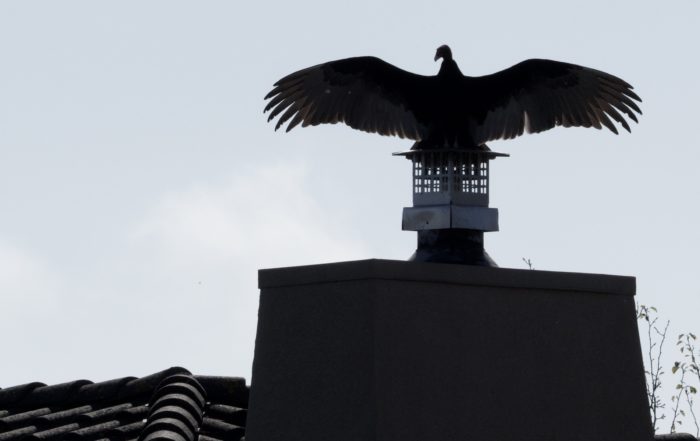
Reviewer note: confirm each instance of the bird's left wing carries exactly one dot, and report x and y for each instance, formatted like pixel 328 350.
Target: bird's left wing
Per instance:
pixel 537 95
pixel 365 93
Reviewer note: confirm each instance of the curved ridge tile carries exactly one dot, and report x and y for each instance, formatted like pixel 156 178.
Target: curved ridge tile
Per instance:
pixel 173 425
pixel 146 385
pixel 12 395
pixel 179 389
pixel 103 390
pixel 63 393
pixel 164 435
pixel 182 380
pixel 182 401
pixel 176 411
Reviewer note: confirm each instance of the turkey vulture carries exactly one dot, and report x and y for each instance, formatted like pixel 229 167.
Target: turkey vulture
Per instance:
pixel 450 109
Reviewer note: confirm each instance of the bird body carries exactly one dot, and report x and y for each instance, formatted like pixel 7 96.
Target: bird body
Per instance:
pixel 450 110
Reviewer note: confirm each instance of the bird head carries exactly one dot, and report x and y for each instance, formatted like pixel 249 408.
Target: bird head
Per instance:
pixel 443 52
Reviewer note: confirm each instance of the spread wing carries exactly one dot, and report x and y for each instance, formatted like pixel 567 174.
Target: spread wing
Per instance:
pixel 537 95
pixel 365 93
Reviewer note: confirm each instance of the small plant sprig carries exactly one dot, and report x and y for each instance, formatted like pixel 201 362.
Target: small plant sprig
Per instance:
pixel 656 337
pixel 689 371
pixel 528 262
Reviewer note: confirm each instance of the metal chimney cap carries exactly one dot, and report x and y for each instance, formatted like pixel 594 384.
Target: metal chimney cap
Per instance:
pixel 491 155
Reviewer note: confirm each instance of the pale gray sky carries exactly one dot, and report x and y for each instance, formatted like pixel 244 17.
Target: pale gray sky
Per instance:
pixel 141 187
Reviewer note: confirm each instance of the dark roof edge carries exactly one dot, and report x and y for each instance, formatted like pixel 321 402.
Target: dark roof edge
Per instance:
pixel 675 437
pixel 17 393
pixel 445 273
pixel 82 391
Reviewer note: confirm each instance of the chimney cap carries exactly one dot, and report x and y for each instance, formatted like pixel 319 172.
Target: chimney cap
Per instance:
pixel 491 155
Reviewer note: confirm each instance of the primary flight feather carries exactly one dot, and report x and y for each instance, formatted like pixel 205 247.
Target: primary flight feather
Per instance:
pixel 449 109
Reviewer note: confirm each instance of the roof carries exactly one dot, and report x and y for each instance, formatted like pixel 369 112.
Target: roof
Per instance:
pixel 169 405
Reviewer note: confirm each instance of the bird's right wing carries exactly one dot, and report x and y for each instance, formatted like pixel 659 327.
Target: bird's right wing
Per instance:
pixel 365 93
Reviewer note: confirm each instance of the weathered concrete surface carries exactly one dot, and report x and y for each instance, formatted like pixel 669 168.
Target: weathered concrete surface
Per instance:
pixel 391 350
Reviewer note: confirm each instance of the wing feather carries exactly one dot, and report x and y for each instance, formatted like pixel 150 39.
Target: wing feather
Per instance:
pixel 546 94
pixel 365 93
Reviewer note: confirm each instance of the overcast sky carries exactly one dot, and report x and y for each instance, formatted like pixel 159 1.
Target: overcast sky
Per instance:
pixel 141 187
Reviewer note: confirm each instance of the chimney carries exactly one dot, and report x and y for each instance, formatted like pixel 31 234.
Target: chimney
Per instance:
pixel 415 351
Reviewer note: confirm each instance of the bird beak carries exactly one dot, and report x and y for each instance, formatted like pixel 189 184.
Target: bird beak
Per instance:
pixel 437 57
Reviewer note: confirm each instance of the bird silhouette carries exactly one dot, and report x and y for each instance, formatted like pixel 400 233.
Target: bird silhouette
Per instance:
pixel 451 110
